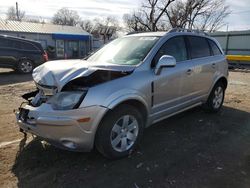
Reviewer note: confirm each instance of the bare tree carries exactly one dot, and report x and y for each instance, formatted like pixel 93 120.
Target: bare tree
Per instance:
pixel 94 24
pixel 65 16
pixel 19 15
pixel 108 25
pixel 132 23
pixel 150 15
pixel 14 15
pixel 112 26
pixel 35 20
pixel 177 15
pixel 198 14
pixel 213 18
pixel 110 21
pixel 87 25
pixel 104 28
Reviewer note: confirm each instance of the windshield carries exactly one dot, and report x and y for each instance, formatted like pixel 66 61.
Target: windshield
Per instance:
pixel 125 51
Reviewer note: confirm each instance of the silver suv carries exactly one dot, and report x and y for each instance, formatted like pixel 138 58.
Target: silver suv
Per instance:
pixel 106 100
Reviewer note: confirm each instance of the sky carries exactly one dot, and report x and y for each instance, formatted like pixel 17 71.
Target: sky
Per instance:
pixel 88 9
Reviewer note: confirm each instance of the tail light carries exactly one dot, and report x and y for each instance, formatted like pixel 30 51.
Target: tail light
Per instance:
pixel 45 56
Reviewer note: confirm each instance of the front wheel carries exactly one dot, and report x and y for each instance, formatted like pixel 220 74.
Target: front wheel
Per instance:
pixel 216 98
pixel 119 132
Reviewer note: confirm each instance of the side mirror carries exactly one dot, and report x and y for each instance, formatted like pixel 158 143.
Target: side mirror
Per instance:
pixel 165 61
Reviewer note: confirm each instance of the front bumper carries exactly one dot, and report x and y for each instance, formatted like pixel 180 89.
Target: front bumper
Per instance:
pixel 70 129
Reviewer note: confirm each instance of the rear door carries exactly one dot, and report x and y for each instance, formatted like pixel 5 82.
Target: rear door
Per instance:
pixel 204 65
pixel 30 51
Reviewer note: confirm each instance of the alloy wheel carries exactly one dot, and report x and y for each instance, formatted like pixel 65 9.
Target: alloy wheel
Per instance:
pixel 218 97
pixel 26 66
pixel 124 133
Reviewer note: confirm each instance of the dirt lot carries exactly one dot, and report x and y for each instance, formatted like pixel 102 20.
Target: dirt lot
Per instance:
pixel 192 149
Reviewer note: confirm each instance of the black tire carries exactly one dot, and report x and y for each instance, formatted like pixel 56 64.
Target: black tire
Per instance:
pixel 25 66
pixel 105 131
pixel 211 105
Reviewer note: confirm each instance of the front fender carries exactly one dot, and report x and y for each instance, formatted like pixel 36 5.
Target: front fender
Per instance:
pixel 124 95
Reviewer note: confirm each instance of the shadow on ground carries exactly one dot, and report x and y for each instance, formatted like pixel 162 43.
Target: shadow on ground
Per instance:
pixel 193 149
pixel 239 67
pixel 9 76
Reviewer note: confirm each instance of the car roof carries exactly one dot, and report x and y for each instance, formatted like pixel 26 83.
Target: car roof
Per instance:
pixel 172 32
pixel 147 34
pixel 175 32
pixel 18 38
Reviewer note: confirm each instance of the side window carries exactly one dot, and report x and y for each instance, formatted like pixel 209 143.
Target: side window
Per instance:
pixel 27 46
pixel 214 47
pixel 6 43
pixel 13 44
pixel 199 47
pixel 17 44
pixel 174 47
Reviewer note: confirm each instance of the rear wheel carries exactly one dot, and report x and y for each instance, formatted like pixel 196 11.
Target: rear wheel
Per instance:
pixel 216 98
pixel 119 132
pixel 25 66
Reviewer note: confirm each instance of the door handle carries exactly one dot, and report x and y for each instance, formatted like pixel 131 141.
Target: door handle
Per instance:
pixel 213 65
pixel 189 71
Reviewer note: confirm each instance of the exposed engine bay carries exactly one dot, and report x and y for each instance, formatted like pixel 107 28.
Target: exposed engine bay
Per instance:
pixel 98 77
pixel 44 93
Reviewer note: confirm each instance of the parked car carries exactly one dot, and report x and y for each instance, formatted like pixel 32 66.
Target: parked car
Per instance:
pixel 21 54
pixel 133 82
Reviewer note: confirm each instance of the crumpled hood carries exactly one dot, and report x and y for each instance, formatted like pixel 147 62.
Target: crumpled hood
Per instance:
pixel 58 73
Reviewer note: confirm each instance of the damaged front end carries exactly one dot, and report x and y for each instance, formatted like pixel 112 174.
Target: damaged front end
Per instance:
pixel 71 94
pixel 39 96
pixel 54 112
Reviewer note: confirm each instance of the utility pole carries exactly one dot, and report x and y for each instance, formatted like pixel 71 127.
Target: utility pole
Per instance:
pixel 17 12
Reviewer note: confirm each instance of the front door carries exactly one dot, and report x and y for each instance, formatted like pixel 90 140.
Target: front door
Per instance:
pixel 174 85
pixel 8 53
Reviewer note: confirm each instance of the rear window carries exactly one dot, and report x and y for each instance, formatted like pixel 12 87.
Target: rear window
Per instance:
pixel 214 47
pixel 27 46
pixel 199 47
pixel 39 46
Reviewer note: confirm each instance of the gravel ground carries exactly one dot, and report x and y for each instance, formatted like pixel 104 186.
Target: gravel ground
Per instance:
pixel 192 149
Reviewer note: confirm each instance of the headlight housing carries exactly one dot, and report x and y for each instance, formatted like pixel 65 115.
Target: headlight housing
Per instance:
pixel 67 100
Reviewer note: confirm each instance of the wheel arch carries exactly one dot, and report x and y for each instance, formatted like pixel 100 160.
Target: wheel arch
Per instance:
pixel 137 104
pixel 133 102
pixel 223 80
pixel 25 58
pixel 207 106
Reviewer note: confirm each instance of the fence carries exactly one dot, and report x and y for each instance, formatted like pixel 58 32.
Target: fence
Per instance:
pixel 235 42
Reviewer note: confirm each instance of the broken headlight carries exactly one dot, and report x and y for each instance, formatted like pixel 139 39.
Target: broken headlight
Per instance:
pixel 67 100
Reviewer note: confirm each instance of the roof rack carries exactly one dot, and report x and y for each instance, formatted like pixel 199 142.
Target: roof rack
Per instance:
pixel 188 30
pixel 137 32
